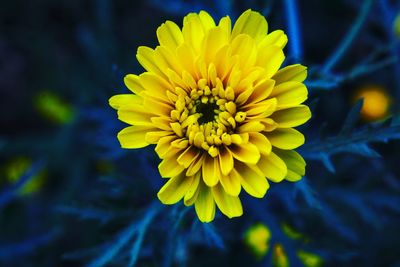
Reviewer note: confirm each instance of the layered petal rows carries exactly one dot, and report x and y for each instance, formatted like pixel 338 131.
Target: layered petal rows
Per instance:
pixel 219 109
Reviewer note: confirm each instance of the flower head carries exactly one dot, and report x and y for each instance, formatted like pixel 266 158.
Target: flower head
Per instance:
pixel 219 109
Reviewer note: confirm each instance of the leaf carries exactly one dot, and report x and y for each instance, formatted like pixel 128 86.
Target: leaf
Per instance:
pixel 357 202
pixel 27 246
pixel 308 194
pixel 327 162
pixel 361 149
pixel 335 222
pixel 352 118
pixel 86 213
pixel 213 238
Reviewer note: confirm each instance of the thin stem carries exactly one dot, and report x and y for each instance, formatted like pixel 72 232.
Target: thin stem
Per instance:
pixel 348 39
pixel 336 143
pixel 295 43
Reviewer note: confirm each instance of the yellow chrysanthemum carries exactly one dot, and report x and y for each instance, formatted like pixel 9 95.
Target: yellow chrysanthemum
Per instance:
pixel 218 109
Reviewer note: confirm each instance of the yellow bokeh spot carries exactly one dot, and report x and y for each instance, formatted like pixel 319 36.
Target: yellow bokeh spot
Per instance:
pixel 290 232
pixel 257 238
pixel 53 108
pixel 16 168
pixel 376 102
pixel 310 259
pixel 396 26
pixel 279 257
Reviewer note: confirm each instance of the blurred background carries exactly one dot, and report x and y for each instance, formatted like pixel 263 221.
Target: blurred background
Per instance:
pixel 70 196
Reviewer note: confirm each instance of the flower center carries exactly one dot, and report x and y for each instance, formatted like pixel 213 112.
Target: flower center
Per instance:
pixel 207 116
pixel 207 112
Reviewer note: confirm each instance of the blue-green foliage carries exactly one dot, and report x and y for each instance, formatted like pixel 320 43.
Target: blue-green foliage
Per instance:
pixel 98 206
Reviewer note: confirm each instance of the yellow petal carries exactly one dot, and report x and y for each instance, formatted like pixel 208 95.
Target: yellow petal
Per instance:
pixel 249 78
pixel 261 142
pixel 291 117
pixel 164 145
pixel 135 115
pixel 225 25
pixel 286 138
pixel 271 59
pixel 169 35
pixel 248 153
pixel 211 172
pixel 261 91
pixel 175 79
pixel 145 56
pixel 262 109
pixel 156 107
pixel 132 82
pixel 205 205
pixel 243 96
pixel 294 72
pixel 269 124
pixel 294 162
pixel 206 20
pixel 277 38
pixel 188 156
pixel 244 46
pixel 196 165
pixel 193 191
pixel 229 205
pixel 213 41
pixel 230 184
pixel 193 31
pixel 224 61
pixel 251 126
pixel 186 57
pixel 225 160
pixel 169 167
pixel 273 167
pixel 173 151
pixel 189 80
pixel 253 183
pixel 125 100
pixel 155 86
pixel 251 23
pixel 166 59
pixel 162 123
pixel 175 189
pixel 134 136
pixel 152 137
pixel 289 94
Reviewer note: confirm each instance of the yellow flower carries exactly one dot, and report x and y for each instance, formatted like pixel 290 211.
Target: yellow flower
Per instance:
pixel 219 109
pixel 376 102
pixel 257 238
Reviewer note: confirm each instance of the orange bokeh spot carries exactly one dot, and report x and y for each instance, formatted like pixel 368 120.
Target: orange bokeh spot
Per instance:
pixel 376 102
